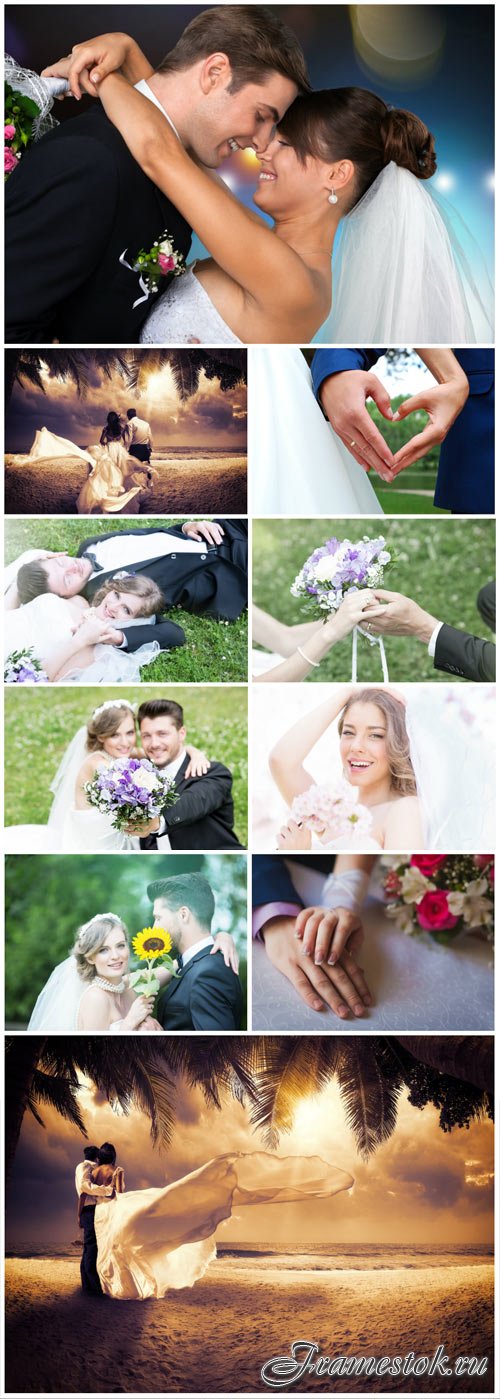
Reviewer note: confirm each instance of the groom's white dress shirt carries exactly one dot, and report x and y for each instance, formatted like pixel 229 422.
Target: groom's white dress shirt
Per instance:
pixel 124 550
pixel 170 770
pixel 147 91
pixel 138 430
pixel 197 947
pixel 83 1182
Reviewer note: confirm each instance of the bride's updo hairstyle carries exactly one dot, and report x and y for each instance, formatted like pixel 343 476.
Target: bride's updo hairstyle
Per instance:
pixel 350 123
pixel 397 741
pixel 151 595
pixel 91 937
pixel 105 723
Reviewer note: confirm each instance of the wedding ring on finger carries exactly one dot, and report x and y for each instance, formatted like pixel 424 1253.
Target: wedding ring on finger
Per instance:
pixel 352 444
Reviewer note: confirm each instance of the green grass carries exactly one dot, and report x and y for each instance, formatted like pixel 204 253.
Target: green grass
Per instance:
pixel 39 725
pixel 441 565
pixel 214 650
pixel 396 502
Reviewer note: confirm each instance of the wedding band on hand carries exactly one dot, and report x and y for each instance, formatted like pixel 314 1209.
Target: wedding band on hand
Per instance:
pixel 352 444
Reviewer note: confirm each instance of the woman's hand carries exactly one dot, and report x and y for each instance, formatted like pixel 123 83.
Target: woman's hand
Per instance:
pixel 92 629
pixel 139 1011
pixel 198 762
pixel 90 62
pixel 150 1026
pixel 326 933
pixel 294 836
pixel 341 988
pixel 351 612
pixel 225 943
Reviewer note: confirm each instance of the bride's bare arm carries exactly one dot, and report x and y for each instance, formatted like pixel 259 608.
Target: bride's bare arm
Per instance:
pixel 259 262
pixel 287 757
pixel 94 59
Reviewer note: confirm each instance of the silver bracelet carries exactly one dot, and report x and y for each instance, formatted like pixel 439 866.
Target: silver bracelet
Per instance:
pixel 307 658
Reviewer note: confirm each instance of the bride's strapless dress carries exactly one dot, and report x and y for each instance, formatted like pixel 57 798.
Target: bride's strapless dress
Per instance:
pixel 297 465
pixel 151 1241
pixel 185 315
pixel 48 621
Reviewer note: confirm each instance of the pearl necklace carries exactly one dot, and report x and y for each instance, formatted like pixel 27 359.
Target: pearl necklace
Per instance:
pixel 117 988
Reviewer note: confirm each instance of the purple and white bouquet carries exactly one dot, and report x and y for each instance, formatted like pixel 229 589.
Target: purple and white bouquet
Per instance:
pixel 132 791
pixel 337 568
pixel 332 808
pixel 23 668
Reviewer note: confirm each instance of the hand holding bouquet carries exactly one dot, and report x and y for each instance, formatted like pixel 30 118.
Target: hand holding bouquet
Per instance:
pixel 335 809
pixel 131 791
pixel 338 567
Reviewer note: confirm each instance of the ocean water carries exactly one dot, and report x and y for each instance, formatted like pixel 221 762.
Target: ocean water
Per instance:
pixel 310 1257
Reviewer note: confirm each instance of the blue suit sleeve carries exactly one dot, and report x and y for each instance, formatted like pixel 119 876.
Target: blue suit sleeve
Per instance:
pixel 328 362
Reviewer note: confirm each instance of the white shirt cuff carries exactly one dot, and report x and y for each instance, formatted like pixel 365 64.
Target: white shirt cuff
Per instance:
pixel 162 828
pixel 432 644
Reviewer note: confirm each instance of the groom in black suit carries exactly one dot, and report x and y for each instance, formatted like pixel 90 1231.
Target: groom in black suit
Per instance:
pixel 206 574
pixel 205 995
pixel 202 817
pixel 78 207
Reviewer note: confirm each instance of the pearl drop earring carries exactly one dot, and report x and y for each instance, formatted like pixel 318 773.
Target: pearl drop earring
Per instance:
pixel 333 197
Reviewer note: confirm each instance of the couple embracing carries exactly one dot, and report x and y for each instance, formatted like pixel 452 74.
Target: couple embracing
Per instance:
pixel 342 172
pixel 99 617
pixel 91 990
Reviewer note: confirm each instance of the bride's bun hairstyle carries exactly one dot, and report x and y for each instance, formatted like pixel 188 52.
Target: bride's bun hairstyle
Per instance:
pixel 151 595
pixel 105 722
pixel 397 741
pixel 350 123
pixel 91 937
pixel 255 41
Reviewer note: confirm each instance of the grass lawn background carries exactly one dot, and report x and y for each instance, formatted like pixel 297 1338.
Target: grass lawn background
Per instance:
pixel 40 723
pixel 442 566
pixel 213 650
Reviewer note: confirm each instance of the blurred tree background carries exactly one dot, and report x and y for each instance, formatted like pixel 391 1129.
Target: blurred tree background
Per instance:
pixel 40 723
pixel 442 568
pixel 214 650
pixel 48 897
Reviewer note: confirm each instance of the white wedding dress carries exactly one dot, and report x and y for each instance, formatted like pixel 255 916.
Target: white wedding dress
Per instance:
pixel 185 315
pixel 103 491
pixel 152 1241
pixel 48 621
pixel 297 465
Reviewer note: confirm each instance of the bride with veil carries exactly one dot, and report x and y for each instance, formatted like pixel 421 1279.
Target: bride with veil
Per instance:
pixel 75 642
pixel 420 762
pixel 343 174
pixel 74 826
pixel 151 1241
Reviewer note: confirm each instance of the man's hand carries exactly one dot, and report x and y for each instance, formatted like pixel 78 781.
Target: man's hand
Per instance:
pixel 151 828
pixel 401 617
pixel 343 397
pixel 326 933
pixel 443 403
pixel 343 988
pixel 203 529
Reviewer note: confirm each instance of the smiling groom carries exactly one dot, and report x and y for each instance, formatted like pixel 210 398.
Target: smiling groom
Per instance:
pixel 78 199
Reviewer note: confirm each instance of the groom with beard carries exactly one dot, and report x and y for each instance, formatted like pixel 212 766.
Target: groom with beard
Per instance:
pixel 199 566
pixel 78 207
pixel 205 994
pixel 202 817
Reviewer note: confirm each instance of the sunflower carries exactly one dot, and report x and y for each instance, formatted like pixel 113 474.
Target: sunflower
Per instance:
pixel 151 943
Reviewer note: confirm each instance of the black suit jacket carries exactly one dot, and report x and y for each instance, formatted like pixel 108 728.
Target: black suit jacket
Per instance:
pixel 205 996
pixel 214 583
pixel 272 882
pixel 77 201
pixel 203 816
pixel 459 653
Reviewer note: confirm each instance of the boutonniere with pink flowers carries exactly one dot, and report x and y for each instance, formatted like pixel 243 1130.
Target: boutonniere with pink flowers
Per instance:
pixel 162 260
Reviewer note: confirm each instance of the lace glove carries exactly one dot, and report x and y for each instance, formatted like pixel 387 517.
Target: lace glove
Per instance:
pixel 346 890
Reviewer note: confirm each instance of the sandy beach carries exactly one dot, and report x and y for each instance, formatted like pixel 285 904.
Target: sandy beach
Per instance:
pixel 217 1335
pixel 188 485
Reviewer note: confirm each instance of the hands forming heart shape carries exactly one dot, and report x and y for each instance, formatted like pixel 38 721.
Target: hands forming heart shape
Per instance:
pixel 344 398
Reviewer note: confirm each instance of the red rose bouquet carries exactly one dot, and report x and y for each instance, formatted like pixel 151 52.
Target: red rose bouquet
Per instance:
pixel 442 895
